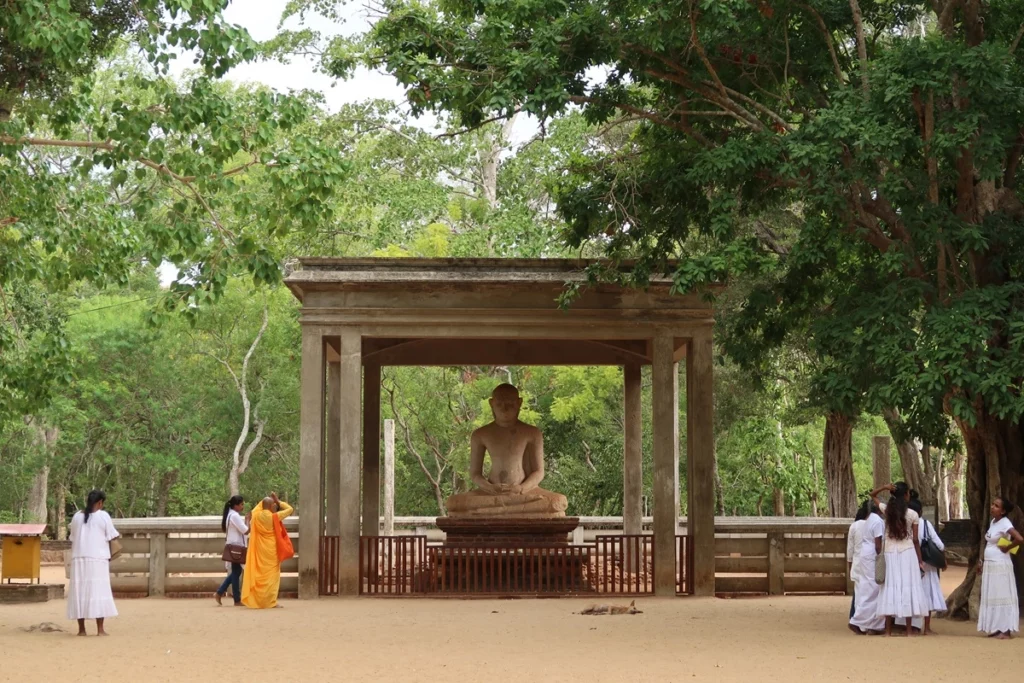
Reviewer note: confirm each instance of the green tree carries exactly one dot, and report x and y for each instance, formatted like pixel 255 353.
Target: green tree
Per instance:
pixel 100 169
pixel 903 151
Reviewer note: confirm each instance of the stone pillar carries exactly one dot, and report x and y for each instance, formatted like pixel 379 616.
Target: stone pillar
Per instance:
pixel 371 450
pixel 880 454
pixel 776 563
pixel 351 422
pixel 389 477
pixel 311 440
pixel 700 461
pixel 332 462
pixel 675 439
pixel 157 564
pixel 632 458
pixel 666 514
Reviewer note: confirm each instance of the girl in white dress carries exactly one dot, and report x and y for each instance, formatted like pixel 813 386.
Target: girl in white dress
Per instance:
pixel 999 615
pixel 865 619
pixel 853 539
pixel 89 594
pixel 933 597
pixel 902 595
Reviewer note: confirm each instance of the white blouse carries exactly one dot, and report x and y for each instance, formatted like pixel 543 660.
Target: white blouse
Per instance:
pixel 91 539
pixel 237 529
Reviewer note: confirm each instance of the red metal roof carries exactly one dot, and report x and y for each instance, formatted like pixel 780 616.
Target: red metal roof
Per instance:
pixel 22 529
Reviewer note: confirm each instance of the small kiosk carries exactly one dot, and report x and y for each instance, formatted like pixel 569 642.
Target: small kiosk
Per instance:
pixel 21 551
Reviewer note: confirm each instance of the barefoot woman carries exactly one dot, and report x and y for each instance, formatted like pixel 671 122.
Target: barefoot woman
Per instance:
pixel 998 614
pixel 89 594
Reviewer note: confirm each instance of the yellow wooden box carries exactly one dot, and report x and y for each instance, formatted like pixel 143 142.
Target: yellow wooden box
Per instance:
pixel 21 558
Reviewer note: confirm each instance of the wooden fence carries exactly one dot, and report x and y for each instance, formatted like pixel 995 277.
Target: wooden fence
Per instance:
pixel 180 556
pixel 773 556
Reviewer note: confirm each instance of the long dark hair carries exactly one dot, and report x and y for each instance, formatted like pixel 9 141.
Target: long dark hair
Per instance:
pixel 232 502
pixel 896 513
pixel 92 500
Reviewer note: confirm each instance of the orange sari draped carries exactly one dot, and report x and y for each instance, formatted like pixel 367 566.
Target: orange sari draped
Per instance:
pixel 269 546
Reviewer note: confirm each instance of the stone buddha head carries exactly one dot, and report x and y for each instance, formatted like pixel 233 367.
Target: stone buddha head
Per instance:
pixel 505 404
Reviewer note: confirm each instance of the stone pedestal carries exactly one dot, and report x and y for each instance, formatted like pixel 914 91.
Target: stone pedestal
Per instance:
pixel 505 532
pixel 508 556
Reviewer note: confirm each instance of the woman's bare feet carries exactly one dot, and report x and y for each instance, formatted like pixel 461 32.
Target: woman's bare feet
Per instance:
pixel 856 630
pixel 1002 636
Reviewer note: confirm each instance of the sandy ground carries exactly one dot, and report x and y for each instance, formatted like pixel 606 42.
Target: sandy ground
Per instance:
pixel 754 639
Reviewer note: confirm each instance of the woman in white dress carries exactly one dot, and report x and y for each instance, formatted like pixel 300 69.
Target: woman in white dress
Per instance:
pixel 853 539
pixel 933 597
pixel 865 619
pixel 999 615
pixel 902 595
pixel 89 594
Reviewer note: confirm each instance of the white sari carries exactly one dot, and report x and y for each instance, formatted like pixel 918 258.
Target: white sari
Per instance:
pixel 865 610
pixel 999 611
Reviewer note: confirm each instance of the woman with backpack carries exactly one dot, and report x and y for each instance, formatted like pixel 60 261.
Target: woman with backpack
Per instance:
pixel 935 601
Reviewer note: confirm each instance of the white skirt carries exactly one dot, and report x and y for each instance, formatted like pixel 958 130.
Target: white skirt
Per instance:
pixel 89 594
pixel 866 598
pixel 902 594
pixel 933 596
pixel 998 611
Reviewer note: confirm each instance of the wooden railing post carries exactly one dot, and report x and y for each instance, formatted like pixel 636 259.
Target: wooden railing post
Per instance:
pixel 776 563
pixel 157 564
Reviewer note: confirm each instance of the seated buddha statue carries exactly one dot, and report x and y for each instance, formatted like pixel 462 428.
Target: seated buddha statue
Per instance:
pixel 511 487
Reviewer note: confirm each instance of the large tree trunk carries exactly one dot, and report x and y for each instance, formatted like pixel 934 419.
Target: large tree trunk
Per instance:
pixel 942 491
pixel 719 490
pixel 910 458
pixel 995 450
pixel 837 448
pixel 60 514
pixel 956 486
pixel 35 509
pixel 45 439
pixel 164 492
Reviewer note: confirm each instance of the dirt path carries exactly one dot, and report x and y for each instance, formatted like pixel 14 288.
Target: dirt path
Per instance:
pixel 758 639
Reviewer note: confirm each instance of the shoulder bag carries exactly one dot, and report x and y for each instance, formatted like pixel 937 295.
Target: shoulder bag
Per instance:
pixel 235 554
pixel 930 552
pixel 115 549
pixel 880 563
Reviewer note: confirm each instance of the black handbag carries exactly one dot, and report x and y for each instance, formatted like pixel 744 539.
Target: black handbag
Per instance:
pixel 930 552
pixel 235 554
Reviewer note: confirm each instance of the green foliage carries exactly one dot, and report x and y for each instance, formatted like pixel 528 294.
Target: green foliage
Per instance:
pixel 897 153
pixel 102 170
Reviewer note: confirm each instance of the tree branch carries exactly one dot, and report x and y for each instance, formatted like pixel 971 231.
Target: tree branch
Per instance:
pixel 1016 40
pixel 828 40
pixel 862 46
pixel 695 41
pixel 162 169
